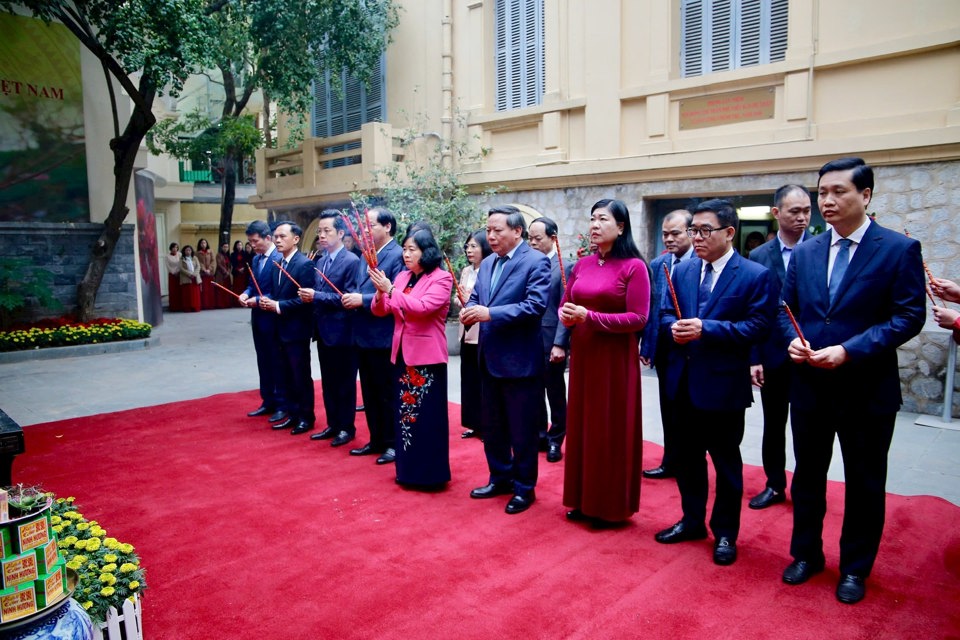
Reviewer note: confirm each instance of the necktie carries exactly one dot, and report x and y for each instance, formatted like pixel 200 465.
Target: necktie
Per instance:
pixel 497 270
pixel 839 267
pixel 676 261
pixel 283 263
pixel 705 289
pixel 259 260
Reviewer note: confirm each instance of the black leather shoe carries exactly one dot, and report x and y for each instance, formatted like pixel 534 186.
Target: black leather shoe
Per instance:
pixel 851 589
pixel 725 551
pixel 286 424
pixel 279 416
pixel 681 532
pixel 365 450
pixel 259 411
pixel 767 498
pixel 326 434
pixel 575 515
pixel 521 502
pixel 600 524
pixel 469 433
pixel 342 438
pixel 554 454
pixel 492 490
pixel 659 473
pixel 302 427
pixel 800 571
pixel 390 455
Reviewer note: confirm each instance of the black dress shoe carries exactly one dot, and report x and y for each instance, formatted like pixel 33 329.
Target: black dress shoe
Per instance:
pixel 286 424
pixel 681 532
pixel 302 427
pixel 766 498
pixel 390 455
pixel 342 438
pixel 279 416
pixel 800 571
pixel 492 490
pixel 365 450
pixel 851 589
pixel 725 551
pixel 259 411
pixel 658 473
pixel 600 524
pixel 554 454
pixel 521 502
pixel 469 433
pixel 326 434
pixel 575 515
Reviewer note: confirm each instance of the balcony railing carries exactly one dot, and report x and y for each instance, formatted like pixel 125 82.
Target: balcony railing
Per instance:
pixel 308 173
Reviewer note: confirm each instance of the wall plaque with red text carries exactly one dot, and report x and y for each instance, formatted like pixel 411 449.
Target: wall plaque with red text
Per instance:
pixel 727 108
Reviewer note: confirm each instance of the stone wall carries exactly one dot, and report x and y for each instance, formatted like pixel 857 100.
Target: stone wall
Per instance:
pixel 63 249
pixel 924 199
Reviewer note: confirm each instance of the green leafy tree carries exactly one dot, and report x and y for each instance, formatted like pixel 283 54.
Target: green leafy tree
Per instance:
pixel 276 47
pixel 21 283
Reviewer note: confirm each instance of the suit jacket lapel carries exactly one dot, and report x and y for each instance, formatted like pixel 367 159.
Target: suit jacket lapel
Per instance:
pixel 730 271
pixel 820 257
pixel 868 247
pixel 689 288
pixel 507 268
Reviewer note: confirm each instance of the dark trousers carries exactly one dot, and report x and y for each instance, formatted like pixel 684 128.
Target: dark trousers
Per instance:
pixel 864 441
pixel 268 365
pixel 668 416
pixel 377 384
pixel 556 387
pixel 470 387
pixel 296 380
pixel 338 380
pixel 510 410
pixel 718 433
pixel 775 396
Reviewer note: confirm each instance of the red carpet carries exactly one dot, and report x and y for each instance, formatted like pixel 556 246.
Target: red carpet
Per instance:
pixel 251 533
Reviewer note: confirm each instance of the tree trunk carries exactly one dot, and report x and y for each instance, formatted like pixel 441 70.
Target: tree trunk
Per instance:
pixel 125 150
pixel 229 195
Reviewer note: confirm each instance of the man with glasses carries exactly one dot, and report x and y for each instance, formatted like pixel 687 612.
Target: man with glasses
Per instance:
pixel 727 304
pixel 656 343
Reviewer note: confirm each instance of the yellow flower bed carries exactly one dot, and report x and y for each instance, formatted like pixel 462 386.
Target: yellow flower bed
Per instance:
pixel 96 332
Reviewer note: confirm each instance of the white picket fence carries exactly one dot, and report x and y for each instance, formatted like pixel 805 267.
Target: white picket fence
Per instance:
pixel 126 625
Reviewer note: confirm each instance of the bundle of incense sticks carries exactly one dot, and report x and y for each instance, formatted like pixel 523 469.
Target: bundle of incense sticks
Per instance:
pixel 286 273
pixel 456 285
pixel 253 276
pixel 796 326
pixel 926 270
pixel 217 284
pixel 332 286
pixel 365 237
pixel 563 275
pixel 673 293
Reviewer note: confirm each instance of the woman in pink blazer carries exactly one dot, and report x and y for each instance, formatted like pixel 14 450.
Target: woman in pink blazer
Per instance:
pixel 419 300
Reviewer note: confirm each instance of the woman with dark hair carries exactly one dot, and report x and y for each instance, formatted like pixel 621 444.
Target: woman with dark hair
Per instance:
pixel 606 302
pixel 419 300
pixel 238 267
pixel 172 262
pixel 207 266
pixel 476 248
pixel 222 276
pixel 189 280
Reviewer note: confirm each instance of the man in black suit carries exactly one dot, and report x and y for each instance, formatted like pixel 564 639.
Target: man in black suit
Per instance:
pixel 334 330
pixel 656 344
pixel 508 301
pixel 857 292
pixel 556 343
pixel 728 303
pixel 771 368
pixel 372 339
pixel 294 330
pixel 264 324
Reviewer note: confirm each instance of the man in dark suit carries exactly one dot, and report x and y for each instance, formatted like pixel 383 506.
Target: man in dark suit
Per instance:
pixel 508 300
pixel 372 338
pixel 556 342
pixel 294 330
pixel 857 293
pixel 334 330
pixel 656 344
pixel 771 366
pixel 728 304
pixel 264 323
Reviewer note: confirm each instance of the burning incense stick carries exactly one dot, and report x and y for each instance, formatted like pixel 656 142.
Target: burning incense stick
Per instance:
pixel 456 285
pixel 332 286
pixel 217 284
pixel 286 273
pixel 563 275
pixel 926 270
pixel 673 293
pixel 793 321
pixel 253 276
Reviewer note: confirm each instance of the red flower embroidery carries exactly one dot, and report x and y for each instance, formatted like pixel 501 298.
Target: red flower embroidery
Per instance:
pixel 408 398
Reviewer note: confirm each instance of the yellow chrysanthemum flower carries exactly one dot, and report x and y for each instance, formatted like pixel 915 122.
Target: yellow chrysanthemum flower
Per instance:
pixel 110 557
pixel 93 544
pixel 83 526
pixel 126 548
pixel 69 540
pixel 109 568
pixel 57 528
pixel 80 558
pixel 108 578
pixel 134 584
pixel 128 567
pixel 87 605
pixel 55 520
pixel 106 592
pixel 74 564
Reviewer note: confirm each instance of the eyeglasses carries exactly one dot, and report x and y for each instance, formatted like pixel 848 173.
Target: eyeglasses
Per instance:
pixel 703 232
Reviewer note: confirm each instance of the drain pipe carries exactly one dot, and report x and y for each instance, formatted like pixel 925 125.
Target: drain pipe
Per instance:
pixel 446 85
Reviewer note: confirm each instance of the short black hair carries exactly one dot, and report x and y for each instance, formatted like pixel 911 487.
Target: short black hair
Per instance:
pixel 480 237
pixel 185 247
pixel 725 211
pixel 623 246
pixel 862 176
pixel 294 227
pixel 260 228
pixel 549 226
pixel 680 213
pixel 431 256
pixel 786 190
pixel 515 219
pixel 172 245
pixel 385 217
pixel 334 214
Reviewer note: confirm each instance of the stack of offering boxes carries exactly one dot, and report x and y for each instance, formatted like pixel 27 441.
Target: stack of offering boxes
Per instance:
pixel 33 575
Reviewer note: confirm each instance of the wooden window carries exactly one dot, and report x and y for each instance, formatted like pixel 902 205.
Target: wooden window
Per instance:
pixel 334 114
pixel 719 35
pixel 518 53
